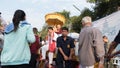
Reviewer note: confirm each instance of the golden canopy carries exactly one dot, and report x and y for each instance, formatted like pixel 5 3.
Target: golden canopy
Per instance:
pixel 54 19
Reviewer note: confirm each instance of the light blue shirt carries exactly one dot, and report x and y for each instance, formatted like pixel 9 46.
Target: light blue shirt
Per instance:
pixel 16 45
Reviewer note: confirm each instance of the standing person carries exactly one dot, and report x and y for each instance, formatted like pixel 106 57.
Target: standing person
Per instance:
pixel 18 35
pixel 65 45
pixel 50 46
pixel 90 42
pixel 43 51
pixel 34 47
pixel 106 44
pixel 52 37
pixel 44 48
pixel 106 47
pixel 58 31
pixel 2 27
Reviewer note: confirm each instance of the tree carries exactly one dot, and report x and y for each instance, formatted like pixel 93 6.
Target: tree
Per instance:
pixel 77 25
pixel 66 14
pixel 97 1
pixel 104 7
pixel 44 31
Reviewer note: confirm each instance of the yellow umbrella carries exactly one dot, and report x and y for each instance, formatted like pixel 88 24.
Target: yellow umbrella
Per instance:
pixel 54 19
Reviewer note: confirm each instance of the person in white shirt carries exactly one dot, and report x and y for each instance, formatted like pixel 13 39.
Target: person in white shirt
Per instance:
pixel 49 46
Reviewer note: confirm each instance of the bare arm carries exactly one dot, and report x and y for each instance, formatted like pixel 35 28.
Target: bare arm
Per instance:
pixel 113 45
pixel 61 51
pixel 71 53
pixel 116 53
pixel 64 56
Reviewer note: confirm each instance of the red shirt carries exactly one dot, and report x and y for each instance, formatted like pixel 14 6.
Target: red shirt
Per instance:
pixel 59 32
pixel 35 46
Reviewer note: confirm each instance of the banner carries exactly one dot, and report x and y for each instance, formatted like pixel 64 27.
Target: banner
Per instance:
pixel 109 25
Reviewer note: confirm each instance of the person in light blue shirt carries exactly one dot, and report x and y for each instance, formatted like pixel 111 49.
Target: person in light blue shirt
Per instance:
pixel 18 36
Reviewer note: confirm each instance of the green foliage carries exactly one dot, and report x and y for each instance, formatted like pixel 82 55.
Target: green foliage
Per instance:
pixel 66 14
pixel 44 31
pixel 102 8
pixel 97 1
pixel 77 25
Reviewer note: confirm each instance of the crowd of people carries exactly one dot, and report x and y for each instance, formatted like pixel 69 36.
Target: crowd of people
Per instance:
pixel 21 46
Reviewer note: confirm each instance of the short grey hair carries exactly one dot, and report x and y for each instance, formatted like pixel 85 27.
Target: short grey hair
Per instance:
pixel 86 19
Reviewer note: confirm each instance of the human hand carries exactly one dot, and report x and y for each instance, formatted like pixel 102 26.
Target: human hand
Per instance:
pixel 70 57
pixel 2 28
pixel 105 40
pixel 65 57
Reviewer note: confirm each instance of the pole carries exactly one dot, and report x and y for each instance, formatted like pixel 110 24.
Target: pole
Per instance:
pixel 77 8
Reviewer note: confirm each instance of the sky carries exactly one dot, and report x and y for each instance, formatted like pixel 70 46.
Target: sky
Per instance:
pixel 37 9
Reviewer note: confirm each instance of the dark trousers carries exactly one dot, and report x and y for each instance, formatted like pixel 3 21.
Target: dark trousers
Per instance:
pixel 33 61
pixel 16 66
pixel 74 64
pixel 63 64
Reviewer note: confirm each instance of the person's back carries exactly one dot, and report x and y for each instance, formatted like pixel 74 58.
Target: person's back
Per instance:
pixel 86 44
pixel 36 45
pixel 16 51
pixel 90 44
pixel 18 48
